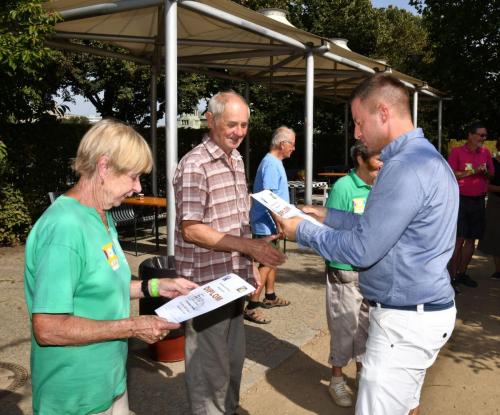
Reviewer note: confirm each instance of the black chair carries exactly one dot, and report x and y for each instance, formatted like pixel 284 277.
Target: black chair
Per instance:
pixel 125 215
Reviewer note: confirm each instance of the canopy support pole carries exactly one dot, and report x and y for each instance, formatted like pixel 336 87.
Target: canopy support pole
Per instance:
pixel 154 121
pixel 415 108
pixel 440 124
pixel 171 116
pixel 346 134
pixel 247 138
pixel 308 127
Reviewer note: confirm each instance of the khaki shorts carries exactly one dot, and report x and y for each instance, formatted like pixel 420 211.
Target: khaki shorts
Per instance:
pixel 347 317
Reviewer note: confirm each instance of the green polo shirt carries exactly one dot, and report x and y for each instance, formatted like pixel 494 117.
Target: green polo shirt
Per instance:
pixel 349 194
pixel 75 266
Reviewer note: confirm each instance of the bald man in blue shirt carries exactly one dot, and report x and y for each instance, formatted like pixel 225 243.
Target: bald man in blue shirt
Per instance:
pixel 402 244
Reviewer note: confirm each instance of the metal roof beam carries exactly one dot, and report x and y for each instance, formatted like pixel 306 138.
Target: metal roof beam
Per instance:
pixel 93 51
pixel 323 76
pixel 234 45
pixel 209 57
pixel 107 8
pixel 103 37
pixel 277 66
pixel 223 16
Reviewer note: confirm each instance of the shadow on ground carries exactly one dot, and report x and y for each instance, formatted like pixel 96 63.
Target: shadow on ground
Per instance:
pixel 475 341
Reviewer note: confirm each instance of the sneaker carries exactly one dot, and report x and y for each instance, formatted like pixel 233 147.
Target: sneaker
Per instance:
pixel 341 394
pixel 465 279
pixel 495 276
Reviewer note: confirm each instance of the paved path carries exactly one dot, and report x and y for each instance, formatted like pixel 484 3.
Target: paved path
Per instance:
pixel 285 371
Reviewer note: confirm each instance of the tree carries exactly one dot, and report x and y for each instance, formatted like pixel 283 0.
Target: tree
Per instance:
pixel 95 78
pixel 392 33
pixel 29 75
pixel 465 43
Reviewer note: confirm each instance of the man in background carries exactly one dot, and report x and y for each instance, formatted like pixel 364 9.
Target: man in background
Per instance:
pixel 271 175
pixel 346 313
pixel 473 166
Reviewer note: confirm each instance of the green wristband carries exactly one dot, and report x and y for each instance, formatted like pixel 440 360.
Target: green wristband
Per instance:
pixel 153 287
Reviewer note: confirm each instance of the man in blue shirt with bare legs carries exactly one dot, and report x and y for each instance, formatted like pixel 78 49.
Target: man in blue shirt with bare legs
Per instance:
pixel 402 244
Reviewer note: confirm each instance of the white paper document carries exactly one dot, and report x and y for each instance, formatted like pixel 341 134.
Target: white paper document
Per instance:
pixel 279 206
pixel 205 298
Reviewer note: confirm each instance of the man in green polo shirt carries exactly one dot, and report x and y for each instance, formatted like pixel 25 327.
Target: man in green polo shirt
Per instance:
pixel 347 315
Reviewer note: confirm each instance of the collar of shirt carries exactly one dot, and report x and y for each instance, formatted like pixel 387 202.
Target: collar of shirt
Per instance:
pixel 216 152
pixel 395 146
pixel 357 180
pixel 468 150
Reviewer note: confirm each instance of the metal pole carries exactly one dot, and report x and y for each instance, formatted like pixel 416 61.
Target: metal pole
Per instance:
pixel 346 134
pixel 154 122
pixel 247 139
pixel 171 116
pixel 106 8
pixel 415 108
pixel 440 124
pixel 308 126
pixel 226 17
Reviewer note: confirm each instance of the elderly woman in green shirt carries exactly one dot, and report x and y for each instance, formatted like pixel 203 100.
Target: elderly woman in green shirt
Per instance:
pixel 78 283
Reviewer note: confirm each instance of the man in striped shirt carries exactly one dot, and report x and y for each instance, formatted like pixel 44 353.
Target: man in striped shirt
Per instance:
pixel 212 239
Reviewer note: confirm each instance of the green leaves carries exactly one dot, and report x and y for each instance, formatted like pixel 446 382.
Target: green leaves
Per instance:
pixel 24 59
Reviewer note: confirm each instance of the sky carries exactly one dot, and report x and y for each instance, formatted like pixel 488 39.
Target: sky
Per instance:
pixel 83 107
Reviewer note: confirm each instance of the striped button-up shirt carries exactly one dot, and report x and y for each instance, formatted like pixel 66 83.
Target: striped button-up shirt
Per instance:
pixel 210 191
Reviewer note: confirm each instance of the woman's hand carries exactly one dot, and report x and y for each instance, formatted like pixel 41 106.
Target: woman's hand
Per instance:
pixel 173 287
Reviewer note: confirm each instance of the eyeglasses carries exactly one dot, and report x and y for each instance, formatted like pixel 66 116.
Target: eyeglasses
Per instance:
pixel 482 135
pixel 289 142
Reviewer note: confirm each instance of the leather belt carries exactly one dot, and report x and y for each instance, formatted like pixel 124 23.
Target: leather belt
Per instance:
pixel 423 307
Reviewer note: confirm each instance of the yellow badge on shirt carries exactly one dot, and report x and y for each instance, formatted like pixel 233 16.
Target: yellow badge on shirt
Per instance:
pixel 111 256
pixel 358 205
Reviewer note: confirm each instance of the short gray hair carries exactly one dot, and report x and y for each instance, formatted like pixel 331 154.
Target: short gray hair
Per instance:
pixel 217 103
pixel 281 134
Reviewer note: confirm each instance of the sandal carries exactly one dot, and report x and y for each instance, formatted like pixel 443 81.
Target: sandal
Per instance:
pixel 255 316
pixel 277 302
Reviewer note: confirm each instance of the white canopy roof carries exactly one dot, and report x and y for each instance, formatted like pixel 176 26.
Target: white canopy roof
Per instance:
pixel 215 35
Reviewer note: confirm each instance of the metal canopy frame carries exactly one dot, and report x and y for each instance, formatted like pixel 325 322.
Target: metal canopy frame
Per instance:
pixel 259 49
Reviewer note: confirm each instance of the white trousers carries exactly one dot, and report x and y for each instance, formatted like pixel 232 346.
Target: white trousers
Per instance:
pixel 401 346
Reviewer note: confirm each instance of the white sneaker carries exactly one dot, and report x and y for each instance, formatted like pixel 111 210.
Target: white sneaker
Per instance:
pixel 341 394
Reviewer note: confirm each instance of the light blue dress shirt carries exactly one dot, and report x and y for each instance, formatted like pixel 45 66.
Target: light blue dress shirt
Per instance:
pixel 406 236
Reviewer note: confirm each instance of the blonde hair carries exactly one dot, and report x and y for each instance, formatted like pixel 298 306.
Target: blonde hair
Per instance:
pixel 126 148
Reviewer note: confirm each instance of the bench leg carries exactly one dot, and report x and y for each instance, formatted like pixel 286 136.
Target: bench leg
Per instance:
pixel 135 235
